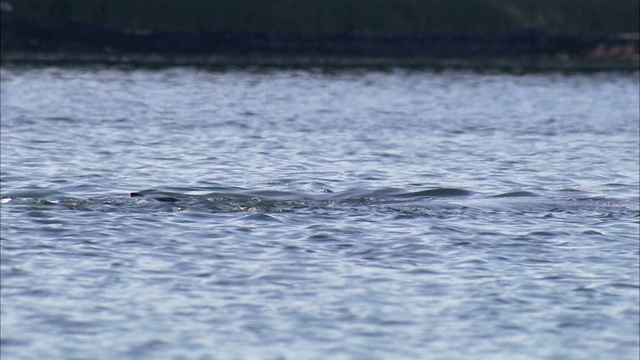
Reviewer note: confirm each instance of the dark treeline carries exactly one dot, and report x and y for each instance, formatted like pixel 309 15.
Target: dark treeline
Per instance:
pixel 371 27
pixel 321 17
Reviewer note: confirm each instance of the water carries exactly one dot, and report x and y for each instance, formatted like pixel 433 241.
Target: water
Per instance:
pixel 283 213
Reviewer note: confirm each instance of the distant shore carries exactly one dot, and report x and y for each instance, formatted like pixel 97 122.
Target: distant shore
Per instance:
pixel 24 34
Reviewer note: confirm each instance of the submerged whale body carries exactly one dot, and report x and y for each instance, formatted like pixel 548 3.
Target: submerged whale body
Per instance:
pixel 429 202
pixel 395 200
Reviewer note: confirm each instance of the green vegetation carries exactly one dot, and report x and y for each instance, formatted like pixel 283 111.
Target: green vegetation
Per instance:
pixel 366 17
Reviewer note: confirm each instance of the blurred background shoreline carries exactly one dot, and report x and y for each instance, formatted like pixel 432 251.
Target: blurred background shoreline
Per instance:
pixel 594 33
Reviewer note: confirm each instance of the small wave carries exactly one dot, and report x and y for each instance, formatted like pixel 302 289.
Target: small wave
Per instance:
pixel 513 194
pixel 262 217
pixel 36 194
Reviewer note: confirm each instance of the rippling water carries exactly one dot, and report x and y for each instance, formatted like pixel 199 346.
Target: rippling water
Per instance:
pixel 316 213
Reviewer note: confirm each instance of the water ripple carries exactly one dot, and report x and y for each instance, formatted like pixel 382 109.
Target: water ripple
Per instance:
pixel 185 212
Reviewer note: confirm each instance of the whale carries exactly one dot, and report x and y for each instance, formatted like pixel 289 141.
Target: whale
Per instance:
pixel 387 200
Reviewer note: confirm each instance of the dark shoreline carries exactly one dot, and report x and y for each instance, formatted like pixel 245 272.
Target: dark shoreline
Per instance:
pixel 27 39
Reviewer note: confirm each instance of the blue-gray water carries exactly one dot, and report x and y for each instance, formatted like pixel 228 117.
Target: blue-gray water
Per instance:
pixel 247 213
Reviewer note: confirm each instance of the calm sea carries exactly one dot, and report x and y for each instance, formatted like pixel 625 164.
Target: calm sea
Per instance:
pixel 318 213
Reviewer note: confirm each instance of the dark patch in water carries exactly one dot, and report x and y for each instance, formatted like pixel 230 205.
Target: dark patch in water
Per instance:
pixel 437 192
pixel 165 199
pixel 161 198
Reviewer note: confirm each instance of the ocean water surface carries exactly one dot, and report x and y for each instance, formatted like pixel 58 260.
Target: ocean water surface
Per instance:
pixel 318 213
